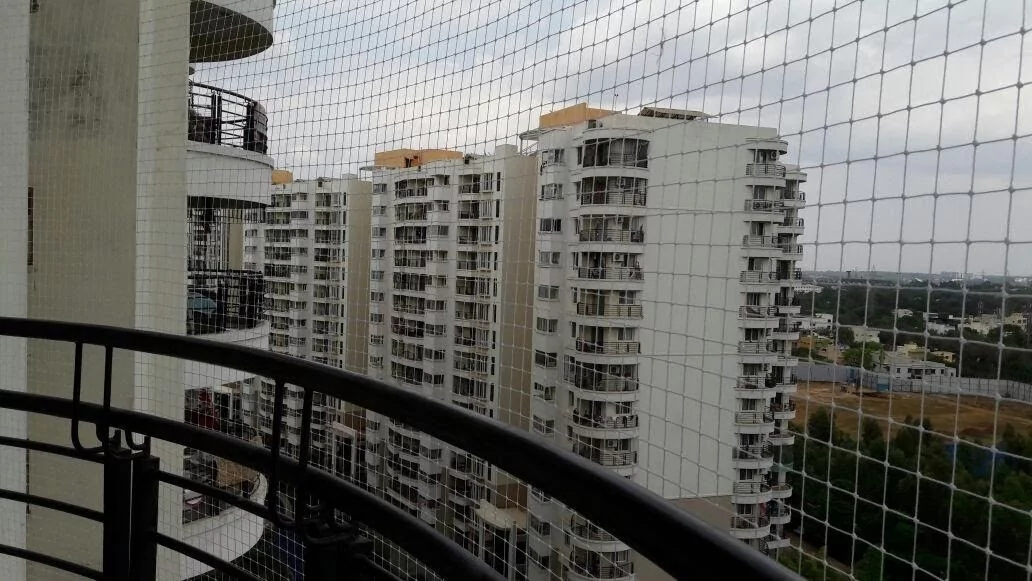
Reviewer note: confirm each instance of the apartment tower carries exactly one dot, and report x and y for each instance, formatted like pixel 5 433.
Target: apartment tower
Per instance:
pixel 663 330
pixel 313 249
pixel 449 318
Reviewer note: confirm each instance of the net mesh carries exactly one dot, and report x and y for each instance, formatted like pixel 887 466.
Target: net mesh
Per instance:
pixel 765 259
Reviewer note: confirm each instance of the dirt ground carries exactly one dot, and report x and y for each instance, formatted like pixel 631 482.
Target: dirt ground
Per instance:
pixel 969 417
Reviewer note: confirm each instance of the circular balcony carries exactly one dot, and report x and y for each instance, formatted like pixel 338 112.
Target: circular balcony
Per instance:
pixel 608 277
pixel 589 536
pixel 750 492
pixel 754 387
pixel 791 226
pixel 620 426
pixel 227 143
pixel 622 462
pixel 783 411
pixel 618 202
pixel 765 174
pixel 605 351
pixel 754 422
pixel 609 311
pixel 781 491
pixel 780 514
pixel 757 317
pixel 757 352
pixel 609 240
pixel 609 389
pixel 761 246
pixel 767 144
pixel 222 30
pixel 764 210
pixel 756 457
pixel 227 306
pixel 781 438
pixel 750 527
pixel 793 199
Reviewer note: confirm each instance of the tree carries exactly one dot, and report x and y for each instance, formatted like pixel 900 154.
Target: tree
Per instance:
pixel 867 356
pixel 846 336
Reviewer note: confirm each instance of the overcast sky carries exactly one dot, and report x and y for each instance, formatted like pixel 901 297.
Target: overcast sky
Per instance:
pixel 851 85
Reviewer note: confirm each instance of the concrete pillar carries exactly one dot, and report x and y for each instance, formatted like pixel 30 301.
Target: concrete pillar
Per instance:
pixel 14 171
pixel 161 236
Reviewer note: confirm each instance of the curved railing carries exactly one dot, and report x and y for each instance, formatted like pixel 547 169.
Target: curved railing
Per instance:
pixel 223 117
pixel 676 541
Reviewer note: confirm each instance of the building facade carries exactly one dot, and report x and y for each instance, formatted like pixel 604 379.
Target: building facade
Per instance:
pixel 449 317
pixel 666 250
pixel 312 247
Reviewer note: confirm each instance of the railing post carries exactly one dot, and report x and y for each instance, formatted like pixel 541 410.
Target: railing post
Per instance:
pixel 118 474
pixel 144 548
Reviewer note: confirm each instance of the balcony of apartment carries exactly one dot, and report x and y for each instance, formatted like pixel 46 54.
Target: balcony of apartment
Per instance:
pixel 791 251
pixel 622 462
pixel 602 387
pixel 754 422
pixel 793 198
pixel 781 490
pixel 765 174
pixel 779 513
pixel 598 568
pixel 757 317
pixel 763 210
pixel 604 310
pixel 750 492
pixel 222 30
pixel 615 231
pixel 590 537
pixel 613 195
pixel 227 306
pixel 781 437
pixel 753 456
pixel 757 387
pixel 787 305
pixel 603 425
pixel 130 529
pixel 750 526
pixel 227 146
pixel 610 275
pixel 791 226
pixel 767 278
pixel 757 352
pixel 412 212
pixel 767 144
pixel 787 330
pixel 598 348
pixel 775 542
pixel 756 246
pixel 783 410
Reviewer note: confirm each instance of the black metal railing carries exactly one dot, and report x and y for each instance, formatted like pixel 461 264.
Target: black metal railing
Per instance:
pixel 333 523
pixel 221 300
pixel 222 117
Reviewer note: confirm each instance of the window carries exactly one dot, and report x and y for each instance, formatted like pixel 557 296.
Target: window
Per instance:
pixel 551 225
pixel 552 192
pixel 376 339
pixel 487 183
pixel 436 305
pixel 542 527
pixel 544 359
pixel 379 232
pixel 552 156
pixel 440 206
pixel 548 259
pixel 544 427
pixel 376 297
pixel 547 292
pixel 376 317
pixel 438 230
pixel 379 188
pixel 544 392
pixel 379 252
pixel 547 325
pixel 376 275
pixel 379 210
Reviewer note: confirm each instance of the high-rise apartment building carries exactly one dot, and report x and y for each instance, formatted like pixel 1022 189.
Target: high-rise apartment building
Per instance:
pixel 665 265
pixel 450 318
pixel 313 250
